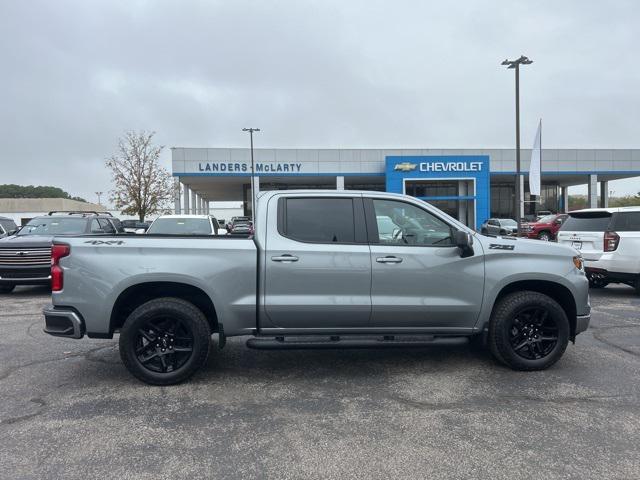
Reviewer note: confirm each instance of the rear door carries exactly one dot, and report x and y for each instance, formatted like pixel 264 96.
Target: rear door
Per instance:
pixel 584 231
pixel 419 279
pixel 317 264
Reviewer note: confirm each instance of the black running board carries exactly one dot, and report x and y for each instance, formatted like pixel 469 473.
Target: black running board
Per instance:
pixel 336 342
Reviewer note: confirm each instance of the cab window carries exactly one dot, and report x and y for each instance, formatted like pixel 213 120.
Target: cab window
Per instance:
pixel 401 223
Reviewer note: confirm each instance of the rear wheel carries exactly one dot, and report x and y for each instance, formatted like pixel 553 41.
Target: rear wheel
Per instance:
pixel 165 341
pixel 544 236
pixel 528 331
pixel 6 288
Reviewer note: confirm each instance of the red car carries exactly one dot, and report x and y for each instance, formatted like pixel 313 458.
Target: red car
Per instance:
pixel 546 228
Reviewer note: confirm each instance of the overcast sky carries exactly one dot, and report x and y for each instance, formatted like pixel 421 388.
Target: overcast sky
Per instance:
pixel 75 75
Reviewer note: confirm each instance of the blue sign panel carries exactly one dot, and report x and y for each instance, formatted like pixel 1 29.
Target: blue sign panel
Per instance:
pixel 458 167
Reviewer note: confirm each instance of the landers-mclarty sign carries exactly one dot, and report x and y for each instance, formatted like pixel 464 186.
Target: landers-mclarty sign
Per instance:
pixel 231 167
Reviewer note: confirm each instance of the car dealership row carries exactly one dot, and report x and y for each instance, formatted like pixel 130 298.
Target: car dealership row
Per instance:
pixel 469 184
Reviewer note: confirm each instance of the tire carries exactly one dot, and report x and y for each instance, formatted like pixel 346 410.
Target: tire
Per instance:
pixel 544 236
pixel 522 328
pixel 7 288
pixel 637 286
pixel 165 341
pixel 597 281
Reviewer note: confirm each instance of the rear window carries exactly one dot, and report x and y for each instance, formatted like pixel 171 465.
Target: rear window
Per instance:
pixel 320 220
pixel 587 222
pixel 626 222
pixel 54 226
pixel 181 226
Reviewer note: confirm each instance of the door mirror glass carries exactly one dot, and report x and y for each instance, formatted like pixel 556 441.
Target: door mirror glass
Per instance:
pixel 464 241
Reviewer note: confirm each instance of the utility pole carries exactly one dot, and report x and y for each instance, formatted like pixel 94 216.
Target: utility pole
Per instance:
pixel 253 178
pixel 519 197
pixel 99 194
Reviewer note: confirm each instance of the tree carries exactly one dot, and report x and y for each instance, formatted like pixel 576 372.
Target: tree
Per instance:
pixel 29 191
pixel 142 186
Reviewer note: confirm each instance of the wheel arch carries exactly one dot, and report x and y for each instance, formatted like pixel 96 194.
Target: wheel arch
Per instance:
pixel 135 295
pixel 556 291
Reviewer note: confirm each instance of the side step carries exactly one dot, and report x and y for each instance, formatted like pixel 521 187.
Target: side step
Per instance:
pixel 352 341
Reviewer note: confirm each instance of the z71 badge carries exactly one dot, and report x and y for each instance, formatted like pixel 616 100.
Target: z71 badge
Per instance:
pixel 105 242
pixel 497 246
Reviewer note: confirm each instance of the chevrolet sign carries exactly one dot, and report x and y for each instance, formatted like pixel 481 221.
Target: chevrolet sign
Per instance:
pixel 405 166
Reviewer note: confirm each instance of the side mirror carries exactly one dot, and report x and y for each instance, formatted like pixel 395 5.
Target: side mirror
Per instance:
pixel 464 241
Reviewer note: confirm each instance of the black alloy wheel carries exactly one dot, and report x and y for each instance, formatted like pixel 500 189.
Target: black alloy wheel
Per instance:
pixel 165 340
pixel 534 333
pixel 163 344
pixel 528 331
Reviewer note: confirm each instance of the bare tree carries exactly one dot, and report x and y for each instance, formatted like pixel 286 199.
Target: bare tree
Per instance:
pixel 142 186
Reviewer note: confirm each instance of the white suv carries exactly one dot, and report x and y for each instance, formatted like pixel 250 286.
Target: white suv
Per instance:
pixel 609 240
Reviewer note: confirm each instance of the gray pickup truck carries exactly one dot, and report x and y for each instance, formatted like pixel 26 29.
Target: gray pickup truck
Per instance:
pixel 325 269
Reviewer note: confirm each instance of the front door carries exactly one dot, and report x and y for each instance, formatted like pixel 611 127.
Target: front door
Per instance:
pixel 419 278
pixel 318 264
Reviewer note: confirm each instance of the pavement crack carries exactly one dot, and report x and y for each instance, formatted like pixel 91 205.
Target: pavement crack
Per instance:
pixel 38 401
pixel 11 370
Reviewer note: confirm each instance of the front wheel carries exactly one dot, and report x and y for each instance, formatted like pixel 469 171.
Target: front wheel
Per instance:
pixel 544 236
pixel 6 288
pixel 165 341
pixel 528 331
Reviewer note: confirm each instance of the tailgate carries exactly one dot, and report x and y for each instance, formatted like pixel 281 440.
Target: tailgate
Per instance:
pixel 584 231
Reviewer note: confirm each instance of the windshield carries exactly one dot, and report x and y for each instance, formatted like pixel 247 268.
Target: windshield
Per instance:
pixel 508 222
pixel 587 222
pixel 547 219
pixel 181 226
pixel 54 226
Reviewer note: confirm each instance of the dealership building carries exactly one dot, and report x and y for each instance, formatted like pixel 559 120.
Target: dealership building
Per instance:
pixel 469 184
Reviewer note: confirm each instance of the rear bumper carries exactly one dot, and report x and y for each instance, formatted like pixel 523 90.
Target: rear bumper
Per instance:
pixel 63 323
pixel 582 323
pixel 608 276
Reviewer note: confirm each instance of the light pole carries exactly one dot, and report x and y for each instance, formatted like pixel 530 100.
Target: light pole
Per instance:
pixel 253 180
pixel 99 194
pixel 515 64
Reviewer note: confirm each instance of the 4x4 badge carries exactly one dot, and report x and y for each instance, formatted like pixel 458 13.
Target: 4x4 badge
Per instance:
pixel 105 242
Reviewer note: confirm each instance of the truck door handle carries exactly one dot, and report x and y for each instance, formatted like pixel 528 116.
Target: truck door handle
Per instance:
pixel 285 258
pixel 389 259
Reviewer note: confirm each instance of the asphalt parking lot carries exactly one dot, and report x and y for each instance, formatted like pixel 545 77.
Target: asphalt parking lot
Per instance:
pixel 70 410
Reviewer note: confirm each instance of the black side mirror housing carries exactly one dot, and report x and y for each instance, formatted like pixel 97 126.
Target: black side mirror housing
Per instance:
pixel 464 241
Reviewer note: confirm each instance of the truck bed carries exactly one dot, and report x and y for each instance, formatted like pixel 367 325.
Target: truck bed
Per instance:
pixel 223 267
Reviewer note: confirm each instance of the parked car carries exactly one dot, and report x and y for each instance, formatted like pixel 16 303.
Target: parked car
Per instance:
pixel 609 241
pixel 184 225
pixel 134 226
pixel 240 227
pixel 319 274
pixel 546 228
pixel 499 226
pixel 25 258
pixel 237 219
pixel 7 227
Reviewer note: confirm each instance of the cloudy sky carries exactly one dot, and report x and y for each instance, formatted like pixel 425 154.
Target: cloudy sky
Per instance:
pixel 76 74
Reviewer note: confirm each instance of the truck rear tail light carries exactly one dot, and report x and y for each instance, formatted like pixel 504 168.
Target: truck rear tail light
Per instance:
pixel 611 241
pixel 58 251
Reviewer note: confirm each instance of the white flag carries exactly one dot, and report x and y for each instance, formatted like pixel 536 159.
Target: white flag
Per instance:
pixel 536 160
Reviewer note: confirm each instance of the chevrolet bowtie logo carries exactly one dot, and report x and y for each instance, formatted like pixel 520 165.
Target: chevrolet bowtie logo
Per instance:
pixel 405 166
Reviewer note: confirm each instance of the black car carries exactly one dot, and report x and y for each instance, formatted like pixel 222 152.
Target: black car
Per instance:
pixel 25 258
